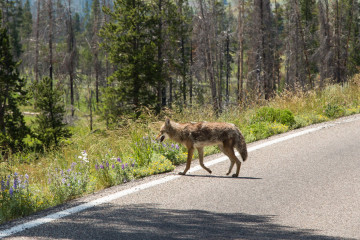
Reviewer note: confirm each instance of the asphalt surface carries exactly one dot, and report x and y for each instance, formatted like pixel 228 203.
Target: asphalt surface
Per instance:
pixel 307 187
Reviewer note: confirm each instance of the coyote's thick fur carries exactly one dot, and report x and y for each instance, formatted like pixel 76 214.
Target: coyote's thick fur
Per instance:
pixel 198 135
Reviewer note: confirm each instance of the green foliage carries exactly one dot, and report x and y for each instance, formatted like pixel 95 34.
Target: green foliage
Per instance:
pixel 268 121
pixel 26 26
pixel 135 40
pixel 159 164
pixel 261 130
pixel 334 110
pixel 111 107
pixel 142 149
pixel 50 128
pixel 112 171
pixel 173 152
pixel 12 94
pixel 129 41
pixel 272 115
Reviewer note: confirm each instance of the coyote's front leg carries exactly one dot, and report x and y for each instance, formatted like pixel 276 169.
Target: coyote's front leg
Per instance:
pixel 201 159
pixel 188 162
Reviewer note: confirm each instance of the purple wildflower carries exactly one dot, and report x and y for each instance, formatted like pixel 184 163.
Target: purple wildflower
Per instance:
pixel 16 183
pixel 26 179
pixel 63 180
pixel 122 166
pixel 2 185
pixel 11 191
pixel 177 147
pixel 119 160
pixel 126 165
pixel 101 166
pixel 8 181
pixel 133 164
pixel 107 164
pixel 113 166
pixel 96 167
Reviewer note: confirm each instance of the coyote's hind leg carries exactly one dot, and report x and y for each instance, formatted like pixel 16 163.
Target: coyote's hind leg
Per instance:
pixel 229 151
pixel 231 161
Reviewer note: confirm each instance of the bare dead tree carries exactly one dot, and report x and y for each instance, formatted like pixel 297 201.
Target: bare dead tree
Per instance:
pixel 240 71
pixel 261 53
pixel 71 55
pixel 205 48
pixel 36 66
pixel 304 48
pixel 324 54
pixel 50 15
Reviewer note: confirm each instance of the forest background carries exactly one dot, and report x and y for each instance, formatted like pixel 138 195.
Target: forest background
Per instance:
pixel 84 85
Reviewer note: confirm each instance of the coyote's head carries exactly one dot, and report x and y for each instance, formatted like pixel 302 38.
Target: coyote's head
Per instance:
pixel 164 130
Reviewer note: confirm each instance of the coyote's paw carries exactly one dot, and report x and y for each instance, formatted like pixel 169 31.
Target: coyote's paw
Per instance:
pixel 234 175
pixel 227 174
pixel 181 173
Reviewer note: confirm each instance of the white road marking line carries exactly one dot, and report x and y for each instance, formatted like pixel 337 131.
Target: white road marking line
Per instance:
pixel 117 195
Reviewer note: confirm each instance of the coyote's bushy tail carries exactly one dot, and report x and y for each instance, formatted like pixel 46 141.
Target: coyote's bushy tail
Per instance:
pixel 241 146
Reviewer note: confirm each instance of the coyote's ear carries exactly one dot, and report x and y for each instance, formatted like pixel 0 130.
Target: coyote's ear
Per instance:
pixel 167 121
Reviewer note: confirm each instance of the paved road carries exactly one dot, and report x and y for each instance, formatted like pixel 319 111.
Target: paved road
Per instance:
pixel 307 187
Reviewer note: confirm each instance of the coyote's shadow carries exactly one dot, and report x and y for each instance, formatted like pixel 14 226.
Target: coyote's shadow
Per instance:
pixel 227 177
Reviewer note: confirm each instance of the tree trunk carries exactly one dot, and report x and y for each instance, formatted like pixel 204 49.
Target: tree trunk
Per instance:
pixel 228 70
pixel 209 58
pixel 36 66
pixel 71 62
pixel 240 75
pixel 302 35
pixel 50 42
pixel 191 79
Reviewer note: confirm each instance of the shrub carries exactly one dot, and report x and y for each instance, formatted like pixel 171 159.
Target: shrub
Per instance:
pixel 334 110
pixel 261 130
pixel 112 170
pixel 159 165
pixel 170 151
pixel 269 114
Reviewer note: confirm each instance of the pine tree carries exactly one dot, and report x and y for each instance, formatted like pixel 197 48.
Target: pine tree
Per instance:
pixel 12 94
pixel 50 128
pixel 26 26
pixel 129 41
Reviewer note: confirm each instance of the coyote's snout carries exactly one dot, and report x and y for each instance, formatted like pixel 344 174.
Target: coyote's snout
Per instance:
pixel 198 135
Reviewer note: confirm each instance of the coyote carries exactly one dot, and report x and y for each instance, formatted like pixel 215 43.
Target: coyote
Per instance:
pixel 198 135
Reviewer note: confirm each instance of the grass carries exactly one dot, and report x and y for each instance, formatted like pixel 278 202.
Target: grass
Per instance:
pixel 90 161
